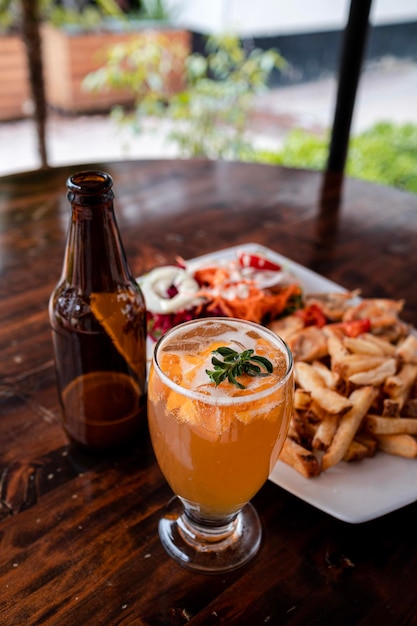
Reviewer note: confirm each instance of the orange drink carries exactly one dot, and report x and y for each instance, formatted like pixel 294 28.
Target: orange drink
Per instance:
pixel 218 421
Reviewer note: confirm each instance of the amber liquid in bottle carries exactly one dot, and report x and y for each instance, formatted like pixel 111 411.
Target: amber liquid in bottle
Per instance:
pixel 98 319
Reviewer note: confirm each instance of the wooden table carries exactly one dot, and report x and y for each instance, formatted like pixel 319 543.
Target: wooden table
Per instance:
pixel 78 535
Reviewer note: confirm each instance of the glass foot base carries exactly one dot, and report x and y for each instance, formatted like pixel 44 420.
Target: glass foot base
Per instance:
pixel 206 547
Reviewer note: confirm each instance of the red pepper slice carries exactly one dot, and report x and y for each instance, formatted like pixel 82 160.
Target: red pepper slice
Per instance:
pixel 258 262
pixel 312 315
pixel 354 328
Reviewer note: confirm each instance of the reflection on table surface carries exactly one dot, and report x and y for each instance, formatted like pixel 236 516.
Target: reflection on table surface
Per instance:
pixel 78 534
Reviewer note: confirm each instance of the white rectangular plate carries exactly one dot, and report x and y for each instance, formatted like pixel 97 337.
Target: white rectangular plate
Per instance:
pixel 351 492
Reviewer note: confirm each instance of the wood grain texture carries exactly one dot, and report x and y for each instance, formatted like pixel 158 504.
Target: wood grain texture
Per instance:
pixel 78 534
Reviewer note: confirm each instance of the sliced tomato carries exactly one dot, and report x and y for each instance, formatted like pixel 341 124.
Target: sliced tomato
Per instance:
pixel 258 262
pixel 355 327
pixel 312 315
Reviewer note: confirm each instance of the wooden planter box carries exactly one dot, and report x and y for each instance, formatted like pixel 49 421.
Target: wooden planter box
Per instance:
pixel 69 57
pixel 14 81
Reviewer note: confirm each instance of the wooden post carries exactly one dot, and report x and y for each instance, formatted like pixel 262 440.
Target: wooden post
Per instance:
pixel 32 41
pixel 353 48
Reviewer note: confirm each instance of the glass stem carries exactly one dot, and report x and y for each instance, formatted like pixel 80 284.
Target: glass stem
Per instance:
pixel 197 529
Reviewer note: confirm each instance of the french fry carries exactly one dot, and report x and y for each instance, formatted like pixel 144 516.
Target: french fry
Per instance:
pixel 375 376
pixel 355 452
pixel 305 425
pixel 391 408
pixel 354 363
pixel 387 348
pixel 319 412
pixel 361 400
pixel 330 400
pixel 325 432
pixel 335 347
pixel 302 399
pixel 330 378
pixel 369 441
pixel 390 425
pixel 407 349
pixel 398 386
pixel 300 458
pixel 400 445
pixel 361 345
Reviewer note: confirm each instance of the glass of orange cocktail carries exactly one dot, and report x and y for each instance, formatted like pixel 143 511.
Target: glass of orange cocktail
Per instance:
pixel 220 397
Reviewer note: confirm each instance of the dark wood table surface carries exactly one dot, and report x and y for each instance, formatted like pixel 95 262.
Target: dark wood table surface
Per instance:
pixel 78 534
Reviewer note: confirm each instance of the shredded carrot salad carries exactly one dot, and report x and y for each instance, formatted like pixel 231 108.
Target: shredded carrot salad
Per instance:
pixel 241 288
pixel 256 306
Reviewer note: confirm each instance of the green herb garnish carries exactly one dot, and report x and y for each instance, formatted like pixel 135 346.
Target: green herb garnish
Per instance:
pixel 235 364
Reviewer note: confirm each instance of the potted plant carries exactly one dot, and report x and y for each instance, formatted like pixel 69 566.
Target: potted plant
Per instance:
pixel 209 117
pixel 21 70
pixel 75 43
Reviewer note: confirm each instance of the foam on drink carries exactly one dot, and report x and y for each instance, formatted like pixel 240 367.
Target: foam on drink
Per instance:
pixel 187 354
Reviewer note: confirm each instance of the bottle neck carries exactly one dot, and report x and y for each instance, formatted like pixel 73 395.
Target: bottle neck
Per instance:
pixel 94 259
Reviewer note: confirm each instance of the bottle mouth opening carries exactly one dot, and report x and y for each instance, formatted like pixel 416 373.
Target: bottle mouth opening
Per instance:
pixel 89 182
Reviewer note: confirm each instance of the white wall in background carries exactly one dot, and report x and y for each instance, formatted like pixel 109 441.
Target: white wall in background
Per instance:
pixel 394 11
pixel 274 17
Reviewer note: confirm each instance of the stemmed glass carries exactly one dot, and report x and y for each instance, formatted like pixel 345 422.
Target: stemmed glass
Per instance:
pixel 220 399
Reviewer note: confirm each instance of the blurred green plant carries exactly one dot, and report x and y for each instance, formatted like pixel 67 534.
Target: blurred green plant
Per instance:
pixel 386 154
pixel 8 15
pixel 82 14
pixel 156 10
pixel 210 115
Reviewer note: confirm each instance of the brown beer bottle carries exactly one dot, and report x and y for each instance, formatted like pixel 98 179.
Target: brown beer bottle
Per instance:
pixel 98 318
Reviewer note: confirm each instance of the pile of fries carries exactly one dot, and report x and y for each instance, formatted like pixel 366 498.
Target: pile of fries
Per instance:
pixel 356 390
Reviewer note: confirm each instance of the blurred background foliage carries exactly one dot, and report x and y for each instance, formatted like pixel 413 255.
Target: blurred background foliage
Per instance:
pixel 88 15
pixel 386 153
pixel 209 117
